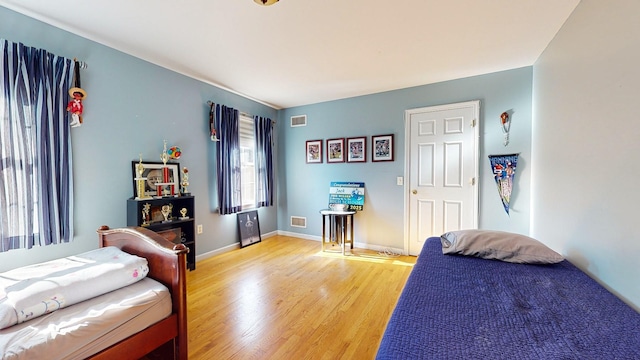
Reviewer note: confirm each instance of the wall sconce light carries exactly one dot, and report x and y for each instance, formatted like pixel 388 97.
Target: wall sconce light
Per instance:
pixel 265 2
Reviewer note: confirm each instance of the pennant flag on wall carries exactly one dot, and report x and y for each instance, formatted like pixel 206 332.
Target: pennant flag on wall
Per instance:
pixel 504 169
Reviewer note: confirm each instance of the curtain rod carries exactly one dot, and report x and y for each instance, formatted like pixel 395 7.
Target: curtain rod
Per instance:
pixel 83 65
pixel 209 102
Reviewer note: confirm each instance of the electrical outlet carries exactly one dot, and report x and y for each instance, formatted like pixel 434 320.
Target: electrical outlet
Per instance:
pixel 199 229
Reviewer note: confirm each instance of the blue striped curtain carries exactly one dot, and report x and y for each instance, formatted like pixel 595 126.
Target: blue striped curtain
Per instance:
pixel 36 202
pixel 264 161
pixel 228 164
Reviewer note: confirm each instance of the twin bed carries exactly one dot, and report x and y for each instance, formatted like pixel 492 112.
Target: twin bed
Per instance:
pixel 126 300
pixel 468 307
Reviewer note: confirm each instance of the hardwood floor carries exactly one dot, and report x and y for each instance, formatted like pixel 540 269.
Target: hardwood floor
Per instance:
pixel 283 298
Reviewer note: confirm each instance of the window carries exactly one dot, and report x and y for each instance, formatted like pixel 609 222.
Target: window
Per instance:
pixel 244 160
pixel 247 162
pixel 36 204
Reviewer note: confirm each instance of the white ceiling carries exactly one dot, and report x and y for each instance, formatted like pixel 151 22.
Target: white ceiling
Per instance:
pixel 299 52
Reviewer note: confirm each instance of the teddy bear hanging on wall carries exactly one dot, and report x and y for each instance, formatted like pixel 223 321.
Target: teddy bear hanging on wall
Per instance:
pixel 75 105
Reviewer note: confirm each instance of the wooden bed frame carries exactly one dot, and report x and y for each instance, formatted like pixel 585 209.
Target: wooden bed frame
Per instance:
pixel 166 339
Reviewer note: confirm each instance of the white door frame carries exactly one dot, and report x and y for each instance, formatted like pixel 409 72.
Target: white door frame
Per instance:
pixel 407 160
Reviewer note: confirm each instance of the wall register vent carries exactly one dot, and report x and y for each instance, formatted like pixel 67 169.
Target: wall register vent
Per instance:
pixel 297 221
pixel 299 120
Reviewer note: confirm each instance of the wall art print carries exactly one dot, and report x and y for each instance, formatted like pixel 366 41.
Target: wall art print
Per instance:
pixel 357 149
pixel 249 227
pixel 314 151
pixel 382 148
pixel 335 150
pixel 504 170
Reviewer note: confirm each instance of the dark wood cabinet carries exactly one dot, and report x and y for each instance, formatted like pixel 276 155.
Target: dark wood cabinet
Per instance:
pixel 179 225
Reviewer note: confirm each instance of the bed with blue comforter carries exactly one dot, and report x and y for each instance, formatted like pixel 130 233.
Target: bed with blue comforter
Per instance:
pixel 461 307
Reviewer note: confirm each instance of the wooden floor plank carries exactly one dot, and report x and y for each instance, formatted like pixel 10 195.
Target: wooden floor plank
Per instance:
pixel 284 298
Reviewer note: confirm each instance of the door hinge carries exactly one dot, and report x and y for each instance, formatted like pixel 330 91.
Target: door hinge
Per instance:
pixel 473 181
pixel 473 123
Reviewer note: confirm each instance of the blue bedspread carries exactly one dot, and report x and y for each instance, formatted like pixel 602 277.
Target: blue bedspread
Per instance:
pixel 457 307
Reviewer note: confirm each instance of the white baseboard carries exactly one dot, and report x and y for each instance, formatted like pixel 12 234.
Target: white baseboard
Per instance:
pixel 299 236
pixel 230 247
pixel 217 252
pixel 356 244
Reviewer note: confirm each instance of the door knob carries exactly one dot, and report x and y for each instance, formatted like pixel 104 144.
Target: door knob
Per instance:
pixel 414 191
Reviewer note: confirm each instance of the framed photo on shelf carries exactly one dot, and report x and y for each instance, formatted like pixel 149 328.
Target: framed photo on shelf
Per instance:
pixel 382 147
pixel 357 149
pixel 156 214
pixel 335 150
pixel 249 228
pixel 153 174
pixel 314 151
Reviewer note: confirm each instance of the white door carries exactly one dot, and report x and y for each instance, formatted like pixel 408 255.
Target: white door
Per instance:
pixel 442 168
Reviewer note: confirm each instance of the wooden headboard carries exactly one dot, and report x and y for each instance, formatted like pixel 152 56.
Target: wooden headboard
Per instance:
pixel 167 265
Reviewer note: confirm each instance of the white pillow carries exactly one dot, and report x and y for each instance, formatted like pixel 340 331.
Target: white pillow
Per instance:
pixel 498 245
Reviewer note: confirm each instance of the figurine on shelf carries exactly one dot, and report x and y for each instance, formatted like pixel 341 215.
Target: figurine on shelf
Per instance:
pixel 183 212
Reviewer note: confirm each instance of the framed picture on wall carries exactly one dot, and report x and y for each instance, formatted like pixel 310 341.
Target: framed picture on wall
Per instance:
pixel 314 151
pixel 382 148
pixel 357 149
pixel 152 175
pixel 249 228
pixel 335 150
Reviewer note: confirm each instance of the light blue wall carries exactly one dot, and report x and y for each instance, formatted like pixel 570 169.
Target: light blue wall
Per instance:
pixel 131 107
pixel 582 192
pixel 304 187
pixel 586 141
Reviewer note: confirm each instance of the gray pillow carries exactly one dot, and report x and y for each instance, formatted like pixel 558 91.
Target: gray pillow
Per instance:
pixel 498 245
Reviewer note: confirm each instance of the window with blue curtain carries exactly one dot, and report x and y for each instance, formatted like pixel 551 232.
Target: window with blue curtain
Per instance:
pixel 36 201
pixel 244 160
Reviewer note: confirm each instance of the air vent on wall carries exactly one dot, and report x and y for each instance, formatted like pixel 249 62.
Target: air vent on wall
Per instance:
pixel 299 120
pixel 298 221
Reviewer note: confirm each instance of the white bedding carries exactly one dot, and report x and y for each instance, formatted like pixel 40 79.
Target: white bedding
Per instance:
pixel 35 290
pixel 85 328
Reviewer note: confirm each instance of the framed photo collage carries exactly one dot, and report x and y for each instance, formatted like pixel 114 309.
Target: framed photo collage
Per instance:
pixel 352 149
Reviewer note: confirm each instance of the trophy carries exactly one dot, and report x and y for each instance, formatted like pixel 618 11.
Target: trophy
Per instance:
pixel 145 214
pixel 183 212
pixel 185 181
pixel 140 181
pixel 166 211
pixel 165 171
